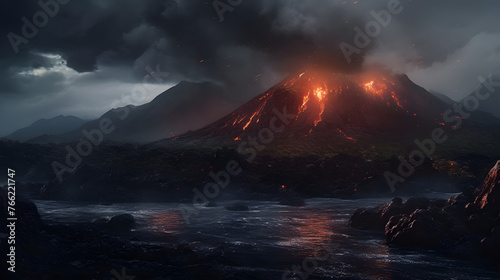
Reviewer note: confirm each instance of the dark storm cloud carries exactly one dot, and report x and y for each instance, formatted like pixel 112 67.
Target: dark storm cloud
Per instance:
pixel 100 41
pixel 178 35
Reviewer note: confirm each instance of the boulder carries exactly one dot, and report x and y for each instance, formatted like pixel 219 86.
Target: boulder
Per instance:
pixel 394 208
pixel 489 198
pixel 414 203
pixel 420 229
pixel 460 200
pixel 437 203
pixel 463 225
pixel 391 227
pixel 376 218
pixel 123 222
pixel 368 218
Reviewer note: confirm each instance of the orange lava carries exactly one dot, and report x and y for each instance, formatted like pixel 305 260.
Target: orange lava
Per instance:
pixel 317 92
pixel 345 135
pixel 377 89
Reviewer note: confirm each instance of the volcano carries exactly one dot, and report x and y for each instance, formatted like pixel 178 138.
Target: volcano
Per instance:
pixel 327 109
pixel 325 101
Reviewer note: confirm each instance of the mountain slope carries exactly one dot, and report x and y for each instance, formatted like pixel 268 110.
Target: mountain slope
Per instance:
pixel 443 98
pixel 53 126
pixel 181 108
pixel 330 101
pixel 333 112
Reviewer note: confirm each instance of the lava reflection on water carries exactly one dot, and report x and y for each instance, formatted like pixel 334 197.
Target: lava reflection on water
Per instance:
pixel 166 222
pixel 306 232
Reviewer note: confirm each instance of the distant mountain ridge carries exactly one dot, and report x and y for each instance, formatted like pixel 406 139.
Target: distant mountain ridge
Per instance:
pixel 186 106
pixel 53 126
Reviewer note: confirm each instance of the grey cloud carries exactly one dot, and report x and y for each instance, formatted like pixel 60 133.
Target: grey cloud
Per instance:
pixel 111 42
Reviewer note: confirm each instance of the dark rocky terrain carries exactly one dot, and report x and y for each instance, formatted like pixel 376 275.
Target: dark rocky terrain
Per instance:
pixel 126 172
pixel 101 250
pixel 467 225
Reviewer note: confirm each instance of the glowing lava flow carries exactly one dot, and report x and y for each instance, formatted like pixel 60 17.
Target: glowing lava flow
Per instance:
pixel 377 89
pixel 345 135
pixel 393 94
pixel 369 86
pixel 315 94
pixel 257 113
pixel 380 89
pixel 320 94
pixel 251 119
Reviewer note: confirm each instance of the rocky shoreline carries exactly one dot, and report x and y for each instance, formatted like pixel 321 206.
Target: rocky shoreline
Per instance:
pixel 105 249
pixel 467 225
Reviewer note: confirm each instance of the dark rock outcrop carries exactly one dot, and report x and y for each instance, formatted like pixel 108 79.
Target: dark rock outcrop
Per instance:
pixel 419 229
pixel 376 218
pixel 83 250
pixel 489 198
pixel 463 225
pixel 123 222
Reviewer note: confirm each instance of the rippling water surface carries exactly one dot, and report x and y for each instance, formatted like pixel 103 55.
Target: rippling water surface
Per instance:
pixel 274 238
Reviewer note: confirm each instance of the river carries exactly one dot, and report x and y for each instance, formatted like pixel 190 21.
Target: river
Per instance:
pixel 274 238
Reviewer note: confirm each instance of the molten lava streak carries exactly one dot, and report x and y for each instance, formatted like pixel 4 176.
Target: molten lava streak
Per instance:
pixel 345 135
pixel 256 113
pixel 376 88
pixel 320 94
pixel 315 94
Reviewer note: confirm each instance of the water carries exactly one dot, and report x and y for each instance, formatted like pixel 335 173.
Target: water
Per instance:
pixel 274 238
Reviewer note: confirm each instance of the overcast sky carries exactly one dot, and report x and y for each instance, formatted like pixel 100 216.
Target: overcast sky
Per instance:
pixel 91 55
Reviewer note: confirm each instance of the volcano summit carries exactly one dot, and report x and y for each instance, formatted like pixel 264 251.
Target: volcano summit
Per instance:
pixel 334 106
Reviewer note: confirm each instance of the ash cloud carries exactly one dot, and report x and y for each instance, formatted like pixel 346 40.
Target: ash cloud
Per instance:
pixel 92 53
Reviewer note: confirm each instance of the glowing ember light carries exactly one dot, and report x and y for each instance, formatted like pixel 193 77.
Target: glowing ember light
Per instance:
pixel 305 100
pixel 302 74
pixel 317 94
pixel 320 93
pixel 250 121
pixel 369 85
pixel 283 186
pixel 393 94
pixel 254 115
pixel 345 135
pixel 376 88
